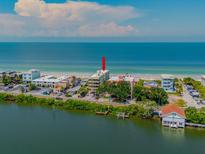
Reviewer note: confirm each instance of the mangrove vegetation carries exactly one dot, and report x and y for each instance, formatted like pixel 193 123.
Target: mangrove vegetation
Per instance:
pixel 140 109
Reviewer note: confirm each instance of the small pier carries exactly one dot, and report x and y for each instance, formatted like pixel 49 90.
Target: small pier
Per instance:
pixel 102 113
pixel 195 125
pixel 122 115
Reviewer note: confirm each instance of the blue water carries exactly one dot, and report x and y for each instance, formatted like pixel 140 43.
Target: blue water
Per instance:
pixel 154 58
pixel 38 130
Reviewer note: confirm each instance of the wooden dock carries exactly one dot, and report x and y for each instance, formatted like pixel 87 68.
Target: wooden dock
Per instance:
pixel 102 113
pixel 195 125
pixel 122 115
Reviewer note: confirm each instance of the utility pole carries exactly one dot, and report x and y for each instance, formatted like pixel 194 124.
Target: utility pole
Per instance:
pixel 131 85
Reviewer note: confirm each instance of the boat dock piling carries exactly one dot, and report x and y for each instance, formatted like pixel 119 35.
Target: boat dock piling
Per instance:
pixel 195 125
pixel 122 115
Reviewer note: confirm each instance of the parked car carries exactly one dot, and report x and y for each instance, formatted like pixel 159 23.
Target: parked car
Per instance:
pixel 59 94
pixel 202 102
pixel 47 92
pixel 6 88
pixel 195 94
pixel 10 86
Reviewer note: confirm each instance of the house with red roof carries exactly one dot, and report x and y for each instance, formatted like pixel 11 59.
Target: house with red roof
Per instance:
pixel 173 116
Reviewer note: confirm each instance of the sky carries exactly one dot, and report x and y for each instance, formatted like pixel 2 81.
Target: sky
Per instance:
pixel 102 20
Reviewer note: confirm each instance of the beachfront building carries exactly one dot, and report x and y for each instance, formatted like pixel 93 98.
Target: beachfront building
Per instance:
pixel 168 83
pixel 173 116
pixel 121 78
pixel 150 84
pixel 51 81
pixel 15 77
pixel 98 78
pixel 31 75
pixel 11 74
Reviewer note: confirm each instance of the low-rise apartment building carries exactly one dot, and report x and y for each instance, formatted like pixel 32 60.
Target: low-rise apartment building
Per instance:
pixel 168 83
pixel 97 79
pixel 31 75
pixel 51 81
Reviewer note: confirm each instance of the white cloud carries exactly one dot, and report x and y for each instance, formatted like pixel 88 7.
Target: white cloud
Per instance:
pixel 105 30
pixel 73 18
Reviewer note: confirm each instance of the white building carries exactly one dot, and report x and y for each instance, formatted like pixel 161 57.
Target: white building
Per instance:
pixel 31 75
pixel 97 79
pixel 122 78
pixel 173 116
pixel 168 82
pixel 49 81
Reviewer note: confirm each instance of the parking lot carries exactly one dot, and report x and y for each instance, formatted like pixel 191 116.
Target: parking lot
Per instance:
pixel 192 97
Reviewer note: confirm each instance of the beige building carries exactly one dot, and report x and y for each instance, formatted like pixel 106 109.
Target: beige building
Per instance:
pixel 51 81
pixel 97 79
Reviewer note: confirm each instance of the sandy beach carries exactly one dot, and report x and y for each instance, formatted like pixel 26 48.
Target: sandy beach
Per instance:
pixel 137 76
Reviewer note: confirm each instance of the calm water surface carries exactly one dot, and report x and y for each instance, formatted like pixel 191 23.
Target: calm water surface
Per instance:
pixel 37 130
pixel 156 58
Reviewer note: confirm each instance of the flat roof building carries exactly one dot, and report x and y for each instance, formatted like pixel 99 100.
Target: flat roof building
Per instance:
pixel 11 74
pixel 99 77
pixel 31 75
pixel 168 82
pixel 49 81
pixel 150 84
pixel 122 78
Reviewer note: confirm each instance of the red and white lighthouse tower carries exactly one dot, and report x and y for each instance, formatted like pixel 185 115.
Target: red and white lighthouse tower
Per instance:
pixel 103 63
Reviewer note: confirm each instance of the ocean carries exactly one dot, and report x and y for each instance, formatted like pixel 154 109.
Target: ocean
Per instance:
pixel 137 58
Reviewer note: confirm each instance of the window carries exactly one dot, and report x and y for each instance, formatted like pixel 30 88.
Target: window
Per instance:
pixel 174 114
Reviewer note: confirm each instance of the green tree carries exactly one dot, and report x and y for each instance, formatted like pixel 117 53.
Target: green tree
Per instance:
pixel 103 88
pixel 140 93
pixel 158 95
pixel 18 80
pixel 191 115
pixel 32 87
pixel 83 91
pixel 118 90
pixel 178 86
pixel 121 90
pixel 7 80
pixel 68 95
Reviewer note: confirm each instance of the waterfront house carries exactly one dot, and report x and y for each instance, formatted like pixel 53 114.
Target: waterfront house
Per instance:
pixel 168 83
pixel 31 75
pixel 173 116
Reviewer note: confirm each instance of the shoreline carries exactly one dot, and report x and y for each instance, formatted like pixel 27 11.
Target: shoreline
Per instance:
pixel 64 105
pixel 79 105
pixel 135 75
pixel 146 76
